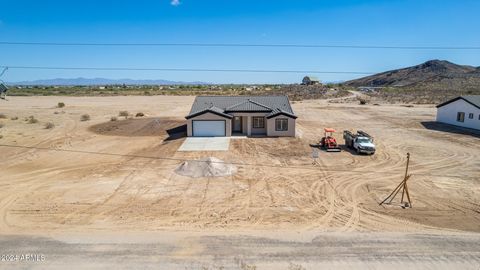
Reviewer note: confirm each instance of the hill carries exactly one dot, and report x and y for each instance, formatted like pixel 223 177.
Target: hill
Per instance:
pixel 431 82
pixel 428 72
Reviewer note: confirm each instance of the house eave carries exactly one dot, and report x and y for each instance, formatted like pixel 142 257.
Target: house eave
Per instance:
pixel 455 99
pixel 208 111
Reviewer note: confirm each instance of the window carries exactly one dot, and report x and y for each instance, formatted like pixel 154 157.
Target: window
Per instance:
pixel 460 117
pixel 281 124
pixel 470 116
pixel 258 122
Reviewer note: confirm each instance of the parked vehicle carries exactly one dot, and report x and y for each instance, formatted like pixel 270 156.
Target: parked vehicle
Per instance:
pixel 362 142
pixel 328 142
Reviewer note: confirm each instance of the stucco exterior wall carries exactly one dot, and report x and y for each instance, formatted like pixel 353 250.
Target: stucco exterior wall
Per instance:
pixel 288 133
pixel 247 122
pixel 210 116
pixel 448 114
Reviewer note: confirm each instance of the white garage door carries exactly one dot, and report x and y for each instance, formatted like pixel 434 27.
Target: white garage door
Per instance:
pixel 208 128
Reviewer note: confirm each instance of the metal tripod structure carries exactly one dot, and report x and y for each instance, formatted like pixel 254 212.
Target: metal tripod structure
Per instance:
pixel 403 187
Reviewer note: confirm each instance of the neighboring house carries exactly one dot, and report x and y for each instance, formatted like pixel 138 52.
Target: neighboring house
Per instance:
pixel 310 80
pixel 462 111
pixel 3 91
pixel 215 116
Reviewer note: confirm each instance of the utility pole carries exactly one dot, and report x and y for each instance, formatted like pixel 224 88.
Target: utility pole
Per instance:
pixel 402 186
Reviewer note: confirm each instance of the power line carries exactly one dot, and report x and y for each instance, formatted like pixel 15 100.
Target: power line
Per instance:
pixel 223 162
pixel 188 70
pixel 325 46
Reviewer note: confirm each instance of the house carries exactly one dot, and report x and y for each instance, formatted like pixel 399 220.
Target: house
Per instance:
pixel 3 91
pixel 461 111
pixel 218 116
pixel 310 80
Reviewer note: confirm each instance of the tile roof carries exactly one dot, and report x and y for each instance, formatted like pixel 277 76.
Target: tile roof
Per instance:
pixel 277 111
pixel 229 104
pixel 248 105
pixel 212 109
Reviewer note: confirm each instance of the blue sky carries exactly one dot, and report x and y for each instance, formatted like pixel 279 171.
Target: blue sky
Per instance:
pixel 342 22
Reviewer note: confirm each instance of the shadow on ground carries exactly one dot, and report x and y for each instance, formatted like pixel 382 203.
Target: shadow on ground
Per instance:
pixel 177 133
pixel 432 125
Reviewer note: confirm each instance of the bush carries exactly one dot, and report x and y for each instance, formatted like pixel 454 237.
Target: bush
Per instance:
pixel 14 118
pixel 363 101
pixel 123 113
pixel 2 116
pixel 140 114
pixel 1 136
pixel 113 118
pixel 61 105
pixel 32 120
pixel 85 117
pixel 49 125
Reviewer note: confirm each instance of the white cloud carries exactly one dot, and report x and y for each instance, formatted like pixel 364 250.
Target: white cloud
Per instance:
pixel 175 2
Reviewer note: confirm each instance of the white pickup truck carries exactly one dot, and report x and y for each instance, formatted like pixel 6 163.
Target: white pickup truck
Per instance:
pixel 361 142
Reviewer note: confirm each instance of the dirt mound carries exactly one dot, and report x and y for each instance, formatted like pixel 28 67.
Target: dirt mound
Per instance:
pixel 206 167
pixel 139 127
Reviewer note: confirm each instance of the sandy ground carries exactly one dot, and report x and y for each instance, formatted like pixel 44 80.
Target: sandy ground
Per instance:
pixel 99 176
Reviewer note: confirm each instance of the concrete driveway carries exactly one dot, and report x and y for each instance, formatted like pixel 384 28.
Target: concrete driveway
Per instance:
pixel 205 144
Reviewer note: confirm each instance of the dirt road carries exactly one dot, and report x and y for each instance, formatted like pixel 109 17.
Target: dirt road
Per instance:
pixel 289 251
pixel 103 175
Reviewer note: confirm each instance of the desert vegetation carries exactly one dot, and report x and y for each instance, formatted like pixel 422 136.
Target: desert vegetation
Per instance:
pixel 31 120
pixel 85 117
pixel 49 125
pixel 294 91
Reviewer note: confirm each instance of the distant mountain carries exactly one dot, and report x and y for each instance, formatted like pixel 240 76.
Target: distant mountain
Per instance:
pixel 102 81
pixel 434 73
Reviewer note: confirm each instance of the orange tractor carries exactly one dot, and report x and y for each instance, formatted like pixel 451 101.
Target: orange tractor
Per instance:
pixel 328 142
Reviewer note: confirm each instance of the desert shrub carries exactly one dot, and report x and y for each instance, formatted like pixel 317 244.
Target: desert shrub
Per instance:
pixel 1 136
pixel 14 118
pixel 363 101
pixel 85 117
pixel 113 118
pixel 61 105
pixel 32 120
pixel 1 125
pixel 2 116
pixel 123 113
pixel 140 114
pixel 49 125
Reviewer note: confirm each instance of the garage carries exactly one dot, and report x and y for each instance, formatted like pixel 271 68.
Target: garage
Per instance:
pixel 208 128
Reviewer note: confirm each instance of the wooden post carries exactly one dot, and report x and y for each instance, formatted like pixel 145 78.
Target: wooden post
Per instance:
pixel 402 186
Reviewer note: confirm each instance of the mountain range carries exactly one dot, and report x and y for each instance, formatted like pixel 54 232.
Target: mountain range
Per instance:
pixel 102 81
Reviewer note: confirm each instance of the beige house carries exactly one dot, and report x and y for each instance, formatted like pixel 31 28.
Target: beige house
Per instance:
pixel 218 116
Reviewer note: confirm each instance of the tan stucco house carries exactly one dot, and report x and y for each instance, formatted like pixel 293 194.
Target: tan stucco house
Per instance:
pixel 218 116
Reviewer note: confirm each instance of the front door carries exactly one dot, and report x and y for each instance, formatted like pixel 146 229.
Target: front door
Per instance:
pixel 237 124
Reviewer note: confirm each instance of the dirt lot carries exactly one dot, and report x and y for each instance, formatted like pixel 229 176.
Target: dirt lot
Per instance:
pixel 98 175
